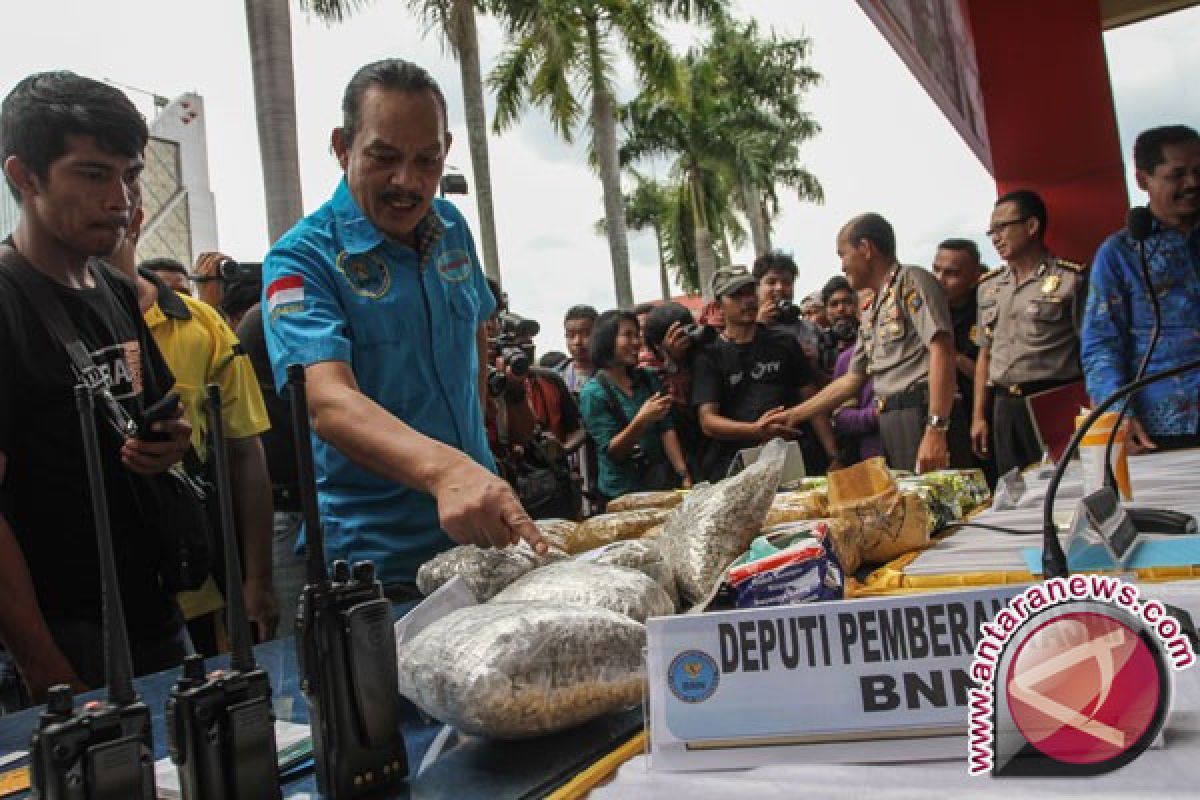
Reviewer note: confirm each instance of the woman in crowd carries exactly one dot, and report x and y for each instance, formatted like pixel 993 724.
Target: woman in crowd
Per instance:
pixel 628 415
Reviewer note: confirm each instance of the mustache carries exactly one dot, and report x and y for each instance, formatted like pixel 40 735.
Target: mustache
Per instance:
pixel 400 196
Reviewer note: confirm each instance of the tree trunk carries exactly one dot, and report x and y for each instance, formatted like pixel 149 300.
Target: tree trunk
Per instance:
pixel 269 26
pixel 760 230
pixel 604 139
pixel 706 261
pixel 467 45
pixel 663 279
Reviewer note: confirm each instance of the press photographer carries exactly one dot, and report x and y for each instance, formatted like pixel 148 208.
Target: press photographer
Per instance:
pixel 534 420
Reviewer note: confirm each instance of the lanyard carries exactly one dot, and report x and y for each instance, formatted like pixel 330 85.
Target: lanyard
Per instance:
pixel 879 298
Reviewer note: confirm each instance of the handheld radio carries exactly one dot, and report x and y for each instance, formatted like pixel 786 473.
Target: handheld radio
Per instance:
pixel 220 726
pixel 346 649
pixel 104 748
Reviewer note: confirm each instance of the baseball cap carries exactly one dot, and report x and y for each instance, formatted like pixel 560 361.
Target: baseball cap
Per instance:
pixel 728 280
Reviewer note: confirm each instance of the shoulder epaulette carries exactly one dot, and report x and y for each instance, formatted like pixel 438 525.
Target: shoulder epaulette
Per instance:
pixel 1072 265
pixel 987 276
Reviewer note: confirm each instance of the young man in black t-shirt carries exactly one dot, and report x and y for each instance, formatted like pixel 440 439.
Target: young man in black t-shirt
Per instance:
pixel 72 153
pixel 745 381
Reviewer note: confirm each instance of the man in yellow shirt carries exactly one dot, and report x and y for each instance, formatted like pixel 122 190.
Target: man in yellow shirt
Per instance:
pixel 200 349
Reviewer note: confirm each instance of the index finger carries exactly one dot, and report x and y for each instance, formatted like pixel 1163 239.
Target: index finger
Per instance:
pixel 519 523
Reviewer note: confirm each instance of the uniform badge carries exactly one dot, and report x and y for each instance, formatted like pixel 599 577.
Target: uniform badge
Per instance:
pixel 895 329
pixel 914 301
pixel 1050 284
pixel 973 333
pixel 454 266
pixel 367 274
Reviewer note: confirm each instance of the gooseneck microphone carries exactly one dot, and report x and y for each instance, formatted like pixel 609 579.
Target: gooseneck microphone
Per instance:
pixel 1140 223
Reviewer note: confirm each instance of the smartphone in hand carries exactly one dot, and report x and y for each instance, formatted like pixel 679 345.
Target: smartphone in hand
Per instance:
pixel 165 409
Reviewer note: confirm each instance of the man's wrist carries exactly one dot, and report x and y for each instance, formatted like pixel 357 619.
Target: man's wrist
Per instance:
pixel 938 423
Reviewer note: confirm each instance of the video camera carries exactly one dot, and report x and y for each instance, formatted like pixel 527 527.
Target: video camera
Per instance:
pixel 511 345
pixel 701 335
pixel 787 312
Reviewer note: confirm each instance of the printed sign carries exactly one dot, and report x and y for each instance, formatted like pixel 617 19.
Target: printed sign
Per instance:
pixel 798 683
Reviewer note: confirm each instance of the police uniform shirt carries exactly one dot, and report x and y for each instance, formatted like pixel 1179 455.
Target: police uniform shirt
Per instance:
pixel 405 320
pixel 893 340
pixel 1031 328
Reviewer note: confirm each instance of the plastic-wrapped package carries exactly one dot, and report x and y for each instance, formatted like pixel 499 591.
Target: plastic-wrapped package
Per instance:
pixel 644 555
pixel 556 531
pixel 639 500
pixel 796 506
pixel 879 521
pixel 513 671
pixel 607 528
pixel 486 570
pixel 578 583
pixel 716 523
pixel 789 565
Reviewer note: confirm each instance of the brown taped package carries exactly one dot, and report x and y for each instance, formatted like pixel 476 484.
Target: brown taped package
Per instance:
pixel 875 521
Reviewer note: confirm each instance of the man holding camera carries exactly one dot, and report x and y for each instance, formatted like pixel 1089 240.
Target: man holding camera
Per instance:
pixel 72 151
pixel 672 333
pixel 775 274
pixel 748 380
pixel 380 295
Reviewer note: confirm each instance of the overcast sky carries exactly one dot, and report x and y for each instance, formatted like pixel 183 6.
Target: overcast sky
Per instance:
pixel 885 146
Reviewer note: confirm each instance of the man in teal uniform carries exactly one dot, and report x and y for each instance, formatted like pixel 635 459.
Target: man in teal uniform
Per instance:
pixel 380 295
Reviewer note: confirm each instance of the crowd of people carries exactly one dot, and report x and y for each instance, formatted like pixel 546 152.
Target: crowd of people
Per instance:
pixel 433 424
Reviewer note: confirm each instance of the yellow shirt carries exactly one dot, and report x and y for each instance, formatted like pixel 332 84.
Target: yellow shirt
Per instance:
pixel 201 350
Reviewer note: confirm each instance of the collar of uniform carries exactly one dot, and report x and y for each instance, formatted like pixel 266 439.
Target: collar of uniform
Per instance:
pixel 171 304
pixel 359 235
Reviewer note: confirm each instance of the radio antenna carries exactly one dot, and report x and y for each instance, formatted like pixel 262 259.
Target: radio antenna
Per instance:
pixel 314 535
pixel 241 646
pixel 118 665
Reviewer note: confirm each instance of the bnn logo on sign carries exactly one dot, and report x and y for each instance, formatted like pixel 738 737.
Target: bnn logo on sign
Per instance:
pixel 1074 679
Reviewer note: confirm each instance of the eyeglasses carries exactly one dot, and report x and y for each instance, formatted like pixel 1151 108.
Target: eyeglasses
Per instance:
pixel 999 226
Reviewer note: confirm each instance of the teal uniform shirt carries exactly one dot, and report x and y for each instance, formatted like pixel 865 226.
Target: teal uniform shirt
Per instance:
pixel 335 288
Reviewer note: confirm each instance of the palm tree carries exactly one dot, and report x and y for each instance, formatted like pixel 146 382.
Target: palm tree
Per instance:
pixel 709 140
pixel 763 80
pixel 455 20
pixel 269 26
pixel 649 206
pixel 562 54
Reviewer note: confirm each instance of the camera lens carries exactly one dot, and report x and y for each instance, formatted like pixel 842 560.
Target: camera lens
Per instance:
pixel 497 382
pixel 516 360
pixel 701 335
pixel 787 311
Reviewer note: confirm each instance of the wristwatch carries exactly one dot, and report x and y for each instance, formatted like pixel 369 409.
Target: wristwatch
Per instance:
pixel 939 424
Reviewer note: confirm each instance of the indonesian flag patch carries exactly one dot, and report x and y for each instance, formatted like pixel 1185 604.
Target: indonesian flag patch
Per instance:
pixel 285 294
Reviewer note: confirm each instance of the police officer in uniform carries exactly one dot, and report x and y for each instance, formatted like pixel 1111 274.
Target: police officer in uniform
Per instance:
pixel 905 344
pixel 1028 330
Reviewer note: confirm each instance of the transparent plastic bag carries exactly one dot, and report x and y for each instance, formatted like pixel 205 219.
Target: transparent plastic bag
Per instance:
pixel 578 583
pixel 513 671
pixel 716 523
pixel 485 570
pixel 607 528
pixel 644 555
pixel 640 500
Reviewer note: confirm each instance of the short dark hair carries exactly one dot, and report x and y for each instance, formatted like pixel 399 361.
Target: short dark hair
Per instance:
pixel 874 228
pixel 773 260
pixel 1148 148
pixel 45 108
pixel 1029 205
pixel 662 318
pixel 239 296
pixel 603 343
pixel 643 308
pixel 962 246
pixel 580 312
pixel 837 283
pixel 553 359
pixel 394 74
pixel 164 264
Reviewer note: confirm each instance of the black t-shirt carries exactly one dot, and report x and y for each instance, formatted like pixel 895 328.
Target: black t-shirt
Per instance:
pixel 746 381
pixel 278 442
pixel 964 318
pixel 45 490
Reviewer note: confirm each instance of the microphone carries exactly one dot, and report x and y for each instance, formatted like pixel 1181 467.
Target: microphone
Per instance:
pixel 1140 224
pixel 1054 560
